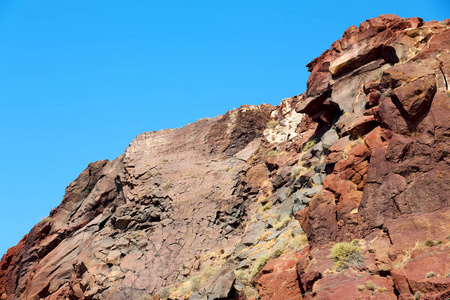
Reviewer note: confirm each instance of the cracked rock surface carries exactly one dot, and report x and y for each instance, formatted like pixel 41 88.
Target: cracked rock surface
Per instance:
pixel 252 204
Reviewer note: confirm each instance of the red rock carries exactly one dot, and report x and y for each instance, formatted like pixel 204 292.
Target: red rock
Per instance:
pixel 279 279
pixel 373 99
pixel 412 276
pixel 406 231
pixel 416 97
pixel 359 126
pixel 338 186
pixel 312 105
pixel 320 77
pixel 439 109
pixel 342 287
pixel 391 118
pixel 348 203
pixel 376 138
pixel 131 226
pixel 321 225
pixel 404 73
pixel 436 44
pixel 309 270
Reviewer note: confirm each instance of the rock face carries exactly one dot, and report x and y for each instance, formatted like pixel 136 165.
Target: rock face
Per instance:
pixel 387 186
pixel 208 211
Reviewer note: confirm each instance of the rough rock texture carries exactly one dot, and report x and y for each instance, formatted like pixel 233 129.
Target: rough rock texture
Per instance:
pixel 279 278
pixel 208 211
pixel 388 184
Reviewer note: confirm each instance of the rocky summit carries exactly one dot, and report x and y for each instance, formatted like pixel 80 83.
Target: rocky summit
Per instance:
pixel 342 192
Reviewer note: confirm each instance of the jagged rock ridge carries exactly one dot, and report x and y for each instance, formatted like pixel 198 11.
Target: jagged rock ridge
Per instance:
pixel 207 211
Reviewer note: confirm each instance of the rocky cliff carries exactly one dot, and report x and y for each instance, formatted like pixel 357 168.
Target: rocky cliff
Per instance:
pixel 339 193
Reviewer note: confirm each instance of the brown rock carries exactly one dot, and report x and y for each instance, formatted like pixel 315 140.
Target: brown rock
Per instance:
pixel 279 279
pixel 404 73
pixel 390 117
pixel 376 138
pixel 132 226
pixel 415 97
pixel 321 225
pixel 425 272
pixel 342 286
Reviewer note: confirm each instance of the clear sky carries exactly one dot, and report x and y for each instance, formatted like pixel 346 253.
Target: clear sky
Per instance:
pixel 80 79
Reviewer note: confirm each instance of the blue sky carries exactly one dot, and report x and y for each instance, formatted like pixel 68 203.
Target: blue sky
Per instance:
pixel 80 79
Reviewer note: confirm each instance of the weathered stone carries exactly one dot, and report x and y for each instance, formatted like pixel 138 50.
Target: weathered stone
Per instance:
pixel 178 200
pixel 415 97
pixel 221 286
pixel 320 223
pixel 279 278
pixel 404 73
pixel 329 138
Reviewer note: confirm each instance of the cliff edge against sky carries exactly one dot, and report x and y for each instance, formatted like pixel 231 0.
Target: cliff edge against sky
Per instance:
pixel 339 193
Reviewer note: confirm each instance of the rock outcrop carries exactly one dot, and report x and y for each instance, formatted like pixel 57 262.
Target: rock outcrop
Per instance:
pixel 387 80
pixel 339 193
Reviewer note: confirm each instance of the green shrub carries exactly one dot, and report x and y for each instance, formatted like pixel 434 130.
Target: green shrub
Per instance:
pixel 309 144
pixel 164 293
pixel 168 185
pixel 346 255
pixel 373 287
pixel 431 243
pixel 282 223
pixel 46 220
pixel 260 263
pixel 297 171
pixel 263 259
pixel 430 274
pixel 417 295
pixel 272 153
pixel 243 276
pixel 361 288
pixel 251 292
pixel 267 206
pixel 272 124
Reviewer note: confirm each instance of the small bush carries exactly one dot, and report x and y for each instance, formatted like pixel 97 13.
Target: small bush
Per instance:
pixel 417 295
pixel 430 274
pixel 263 259
pixel 168 185
pixel 282 223
pixel 371 286
pixel 431 243
pixel 309 144
pixel 243 276
pixel 260 263
pixel 346 255
pixel 297 171
pixel 46 220
pixel 361 288
pixel 164 293
pixel 374 288
pixel 387 93
pixel 266 206
pixel 251 292
pixel 272 124
pixel 272 153
pixel 297 243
